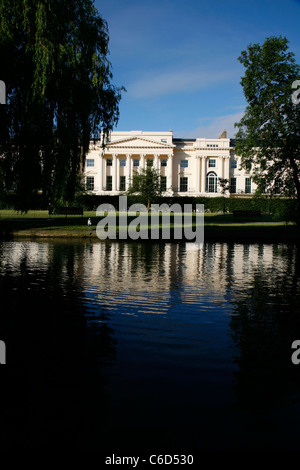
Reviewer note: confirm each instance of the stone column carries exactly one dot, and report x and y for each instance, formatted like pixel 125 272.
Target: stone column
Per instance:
pixel 197 189
pixel 203 173
pixel 170 173
pixel 101 172
pixel 226 169
pixel 143 161
pixel 156 161
pixel 115 172
pixel 128 164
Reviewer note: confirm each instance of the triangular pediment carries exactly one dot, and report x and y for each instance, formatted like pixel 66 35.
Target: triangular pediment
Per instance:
pixel 138 142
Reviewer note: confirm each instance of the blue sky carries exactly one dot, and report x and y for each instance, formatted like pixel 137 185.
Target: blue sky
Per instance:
pixel 177 59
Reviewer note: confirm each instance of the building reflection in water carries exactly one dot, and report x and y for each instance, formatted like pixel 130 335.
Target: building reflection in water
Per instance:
pixel 172 335
pixel 256 287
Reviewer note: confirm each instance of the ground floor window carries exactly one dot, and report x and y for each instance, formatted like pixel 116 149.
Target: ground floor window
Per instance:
pixel 108 183
pixel 122 183
pixel 163 183
pixel 183 184
pixel 90 183
pixel 211 183
pixel 247 185
pixel 233 185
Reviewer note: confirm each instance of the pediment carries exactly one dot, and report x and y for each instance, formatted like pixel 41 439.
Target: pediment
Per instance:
pixel 138 142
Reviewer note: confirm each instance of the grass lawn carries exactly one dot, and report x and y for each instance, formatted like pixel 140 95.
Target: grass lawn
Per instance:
pixel 217 226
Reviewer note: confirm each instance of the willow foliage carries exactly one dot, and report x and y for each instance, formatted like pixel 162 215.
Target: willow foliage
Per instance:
pixel 59 93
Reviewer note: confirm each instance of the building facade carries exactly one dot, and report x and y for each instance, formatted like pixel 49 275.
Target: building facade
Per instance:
pixel 187 167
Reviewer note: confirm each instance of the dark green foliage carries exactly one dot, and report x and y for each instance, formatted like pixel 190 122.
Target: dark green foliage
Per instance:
pixel 59 94
pixel 10 200
pixel 269 133
pixel 146 184
pixel 278 208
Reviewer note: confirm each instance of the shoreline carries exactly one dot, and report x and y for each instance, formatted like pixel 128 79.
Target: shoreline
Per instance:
pixel 214 233
pixel 38 225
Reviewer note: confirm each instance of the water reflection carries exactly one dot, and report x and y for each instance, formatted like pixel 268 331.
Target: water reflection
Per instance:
pixel 51 374
pixel 188 344
pixel 265 321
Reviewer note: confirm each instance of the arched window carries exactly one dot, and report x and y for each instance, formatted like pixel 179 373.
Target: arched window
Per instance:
pixel 211 182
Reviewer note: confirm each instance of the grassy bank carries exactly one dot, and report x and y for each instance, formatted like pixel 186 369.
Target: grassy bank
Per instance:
pixel 218 227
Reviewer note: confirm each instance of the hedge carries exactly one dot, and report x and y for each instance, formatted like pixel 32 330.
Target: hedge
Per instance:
pixel 273 206
pixel 279 208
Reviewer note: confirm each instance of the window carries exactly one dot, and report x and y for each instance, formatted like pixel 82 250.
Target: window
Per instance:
pixel 233 164
pixel 149 161
pixel 163 162
pixel 211 163
pixel 90 183
pixel 122 162
pixel 277 186
pixel 163 183
pixel 233 185
pixel 122 183
pixel 212 145
pixel 248 185
pixel 184 163
pixel 108 183
pixel 164 141
pixel 136 162
pixel 211 183
pixel 183 184
pixel 108 162
pixel 90 162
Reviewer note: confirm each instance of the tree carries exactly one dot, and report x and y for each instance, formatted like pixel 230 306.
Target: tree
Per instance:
pixel 147 184
pixel 225 186
pixel 59 93
pixel 268 138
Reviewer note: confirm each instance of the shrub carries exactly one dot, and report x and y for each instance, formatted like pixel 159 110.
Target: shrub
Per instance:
pixel 279 208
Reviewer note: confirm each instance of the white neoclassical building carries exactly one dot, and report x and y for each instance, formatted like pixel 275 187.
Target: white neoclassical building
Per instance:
pixel 187 167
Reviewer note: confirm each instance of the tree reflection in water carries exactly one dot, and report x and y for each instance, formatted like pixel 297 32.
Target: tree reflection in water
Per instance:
pixel 179 338
pixel 265 321
pixel 50 387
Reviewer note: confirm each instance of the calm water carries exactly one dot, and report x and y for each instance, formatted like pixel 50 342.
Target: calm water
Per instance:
pixel 119 346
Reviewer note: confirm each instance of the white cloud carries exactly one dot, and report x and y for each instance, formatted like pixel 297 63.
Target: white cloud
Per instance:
pixel 212 127
pixel 187 80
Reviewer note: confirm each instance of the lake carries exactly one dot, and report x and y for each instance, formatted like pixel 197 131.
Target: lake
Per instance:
pixel 145 346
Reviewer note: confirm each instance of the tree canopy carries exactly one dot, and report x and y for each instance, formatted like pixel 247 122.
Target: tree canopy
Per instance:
pixel 268 137
pixel 146 183
pixel 59 93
